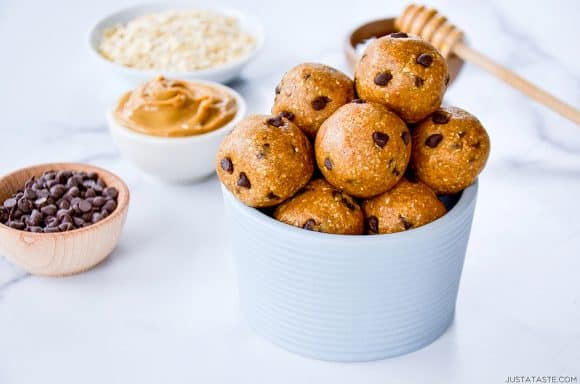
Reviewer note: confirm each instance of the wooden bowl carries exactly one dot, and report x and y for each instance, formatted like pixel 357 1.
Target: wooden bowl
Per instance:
pixel 379 28
pixel 62 253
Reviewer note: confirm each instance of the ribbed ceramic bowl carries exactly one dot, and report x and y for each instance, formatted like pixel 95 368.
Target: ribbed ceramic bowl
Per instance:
pixel 349 298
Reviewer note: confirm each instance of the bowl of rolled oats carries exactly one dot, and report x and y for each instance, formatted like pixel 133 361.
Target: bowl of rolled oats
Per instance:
pixel 176 40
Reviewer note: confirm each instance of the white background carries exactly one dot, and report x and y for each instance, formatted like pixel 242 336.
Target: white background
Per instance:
pixel 164 308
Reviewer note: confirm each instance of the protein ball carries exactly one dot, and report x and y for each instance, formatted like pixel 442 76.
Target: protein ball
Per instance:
pixel 265 160
pixel 450 149
pixel 321 207
pixel 363 149
pixel 410 204
pixel 403 72
pixel 309 93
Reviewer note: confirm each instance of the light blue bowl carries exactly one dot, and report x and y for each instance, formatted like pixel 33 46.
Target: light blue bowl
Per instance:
pixel 349 298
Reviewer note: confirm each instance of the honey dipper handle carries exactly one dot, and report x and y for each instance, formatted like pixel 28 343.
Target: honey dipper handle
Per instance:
pixel 541 96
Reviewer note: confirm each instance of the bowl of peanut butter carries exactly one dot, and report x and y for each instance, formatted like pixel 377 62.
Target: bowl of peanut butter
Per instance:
pixel 171 129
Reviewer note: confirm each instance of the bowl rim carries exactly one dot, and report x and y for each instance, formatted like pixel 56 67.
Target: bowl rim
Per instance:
pixel 463 204
pixel 122 203
pixel 136 10
pixel 240 114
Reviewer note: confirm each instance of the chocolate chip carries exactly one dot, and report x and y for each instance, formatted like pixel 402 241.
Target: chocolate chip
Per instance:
pixel 328 164
pixel 51 221
pixel 42 193
pixel 398 35
pixel 67 226
pixel 380 138
pixel 419 81
pixel 307 76
pixel 66 219
pixel 476 145
pixel 425 59
pixel 289 115
pixel 396 172
pixel 57 191
pixel 35 218
pixel 275 121
pixel 85 206
pixel 227 165
pixel 264 151
pixel 41 201
pixel 243 181
pixel 406 223
pixel 447 80
pixel 277 90
pixel 110 206
pixel 320 102
pixel 49 210
pixel 373 224
pixel 440 117
pixel 111 192
pixel 99 201
pixel 74 181
pixel 406 136
pixel 96 217
pixel 30 194
pixel 383 78
pixel 10 203
pixel 309 224
pixel 16 225
pixel 358 101
pixel 72 192
pixel 64 204
pixel 78 222
pixel 433 140
pixel 272 196
pixel 62 176
pixel 25 205
pixel 4 214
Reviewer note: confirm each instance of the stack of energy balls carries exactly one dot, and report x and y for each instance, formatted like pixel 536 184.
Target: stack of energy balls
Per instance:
pixel 384 148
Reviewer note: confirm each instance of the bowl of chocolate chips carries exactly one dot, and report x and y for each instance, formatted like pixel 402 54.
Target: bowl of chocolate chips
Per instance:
pixel 61 219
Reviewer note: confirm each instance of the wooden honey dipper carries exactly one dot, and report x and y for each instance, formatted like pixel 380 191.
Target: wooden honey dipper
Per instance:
pixel 448 39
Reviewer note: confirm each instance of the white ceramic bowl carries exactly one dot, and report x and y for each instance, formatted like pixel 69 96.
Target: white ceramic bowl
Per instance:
pixel 349 298
pixel 132 76
pixel 174 159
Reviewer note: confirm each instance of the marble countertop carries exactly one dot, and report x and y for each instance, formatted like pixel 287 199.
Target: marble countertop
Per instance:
pixel 164 307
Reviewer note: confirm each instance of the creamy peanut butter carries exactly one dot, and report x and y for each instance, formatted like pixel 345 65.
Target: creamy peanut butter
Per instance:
pixel 175 108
